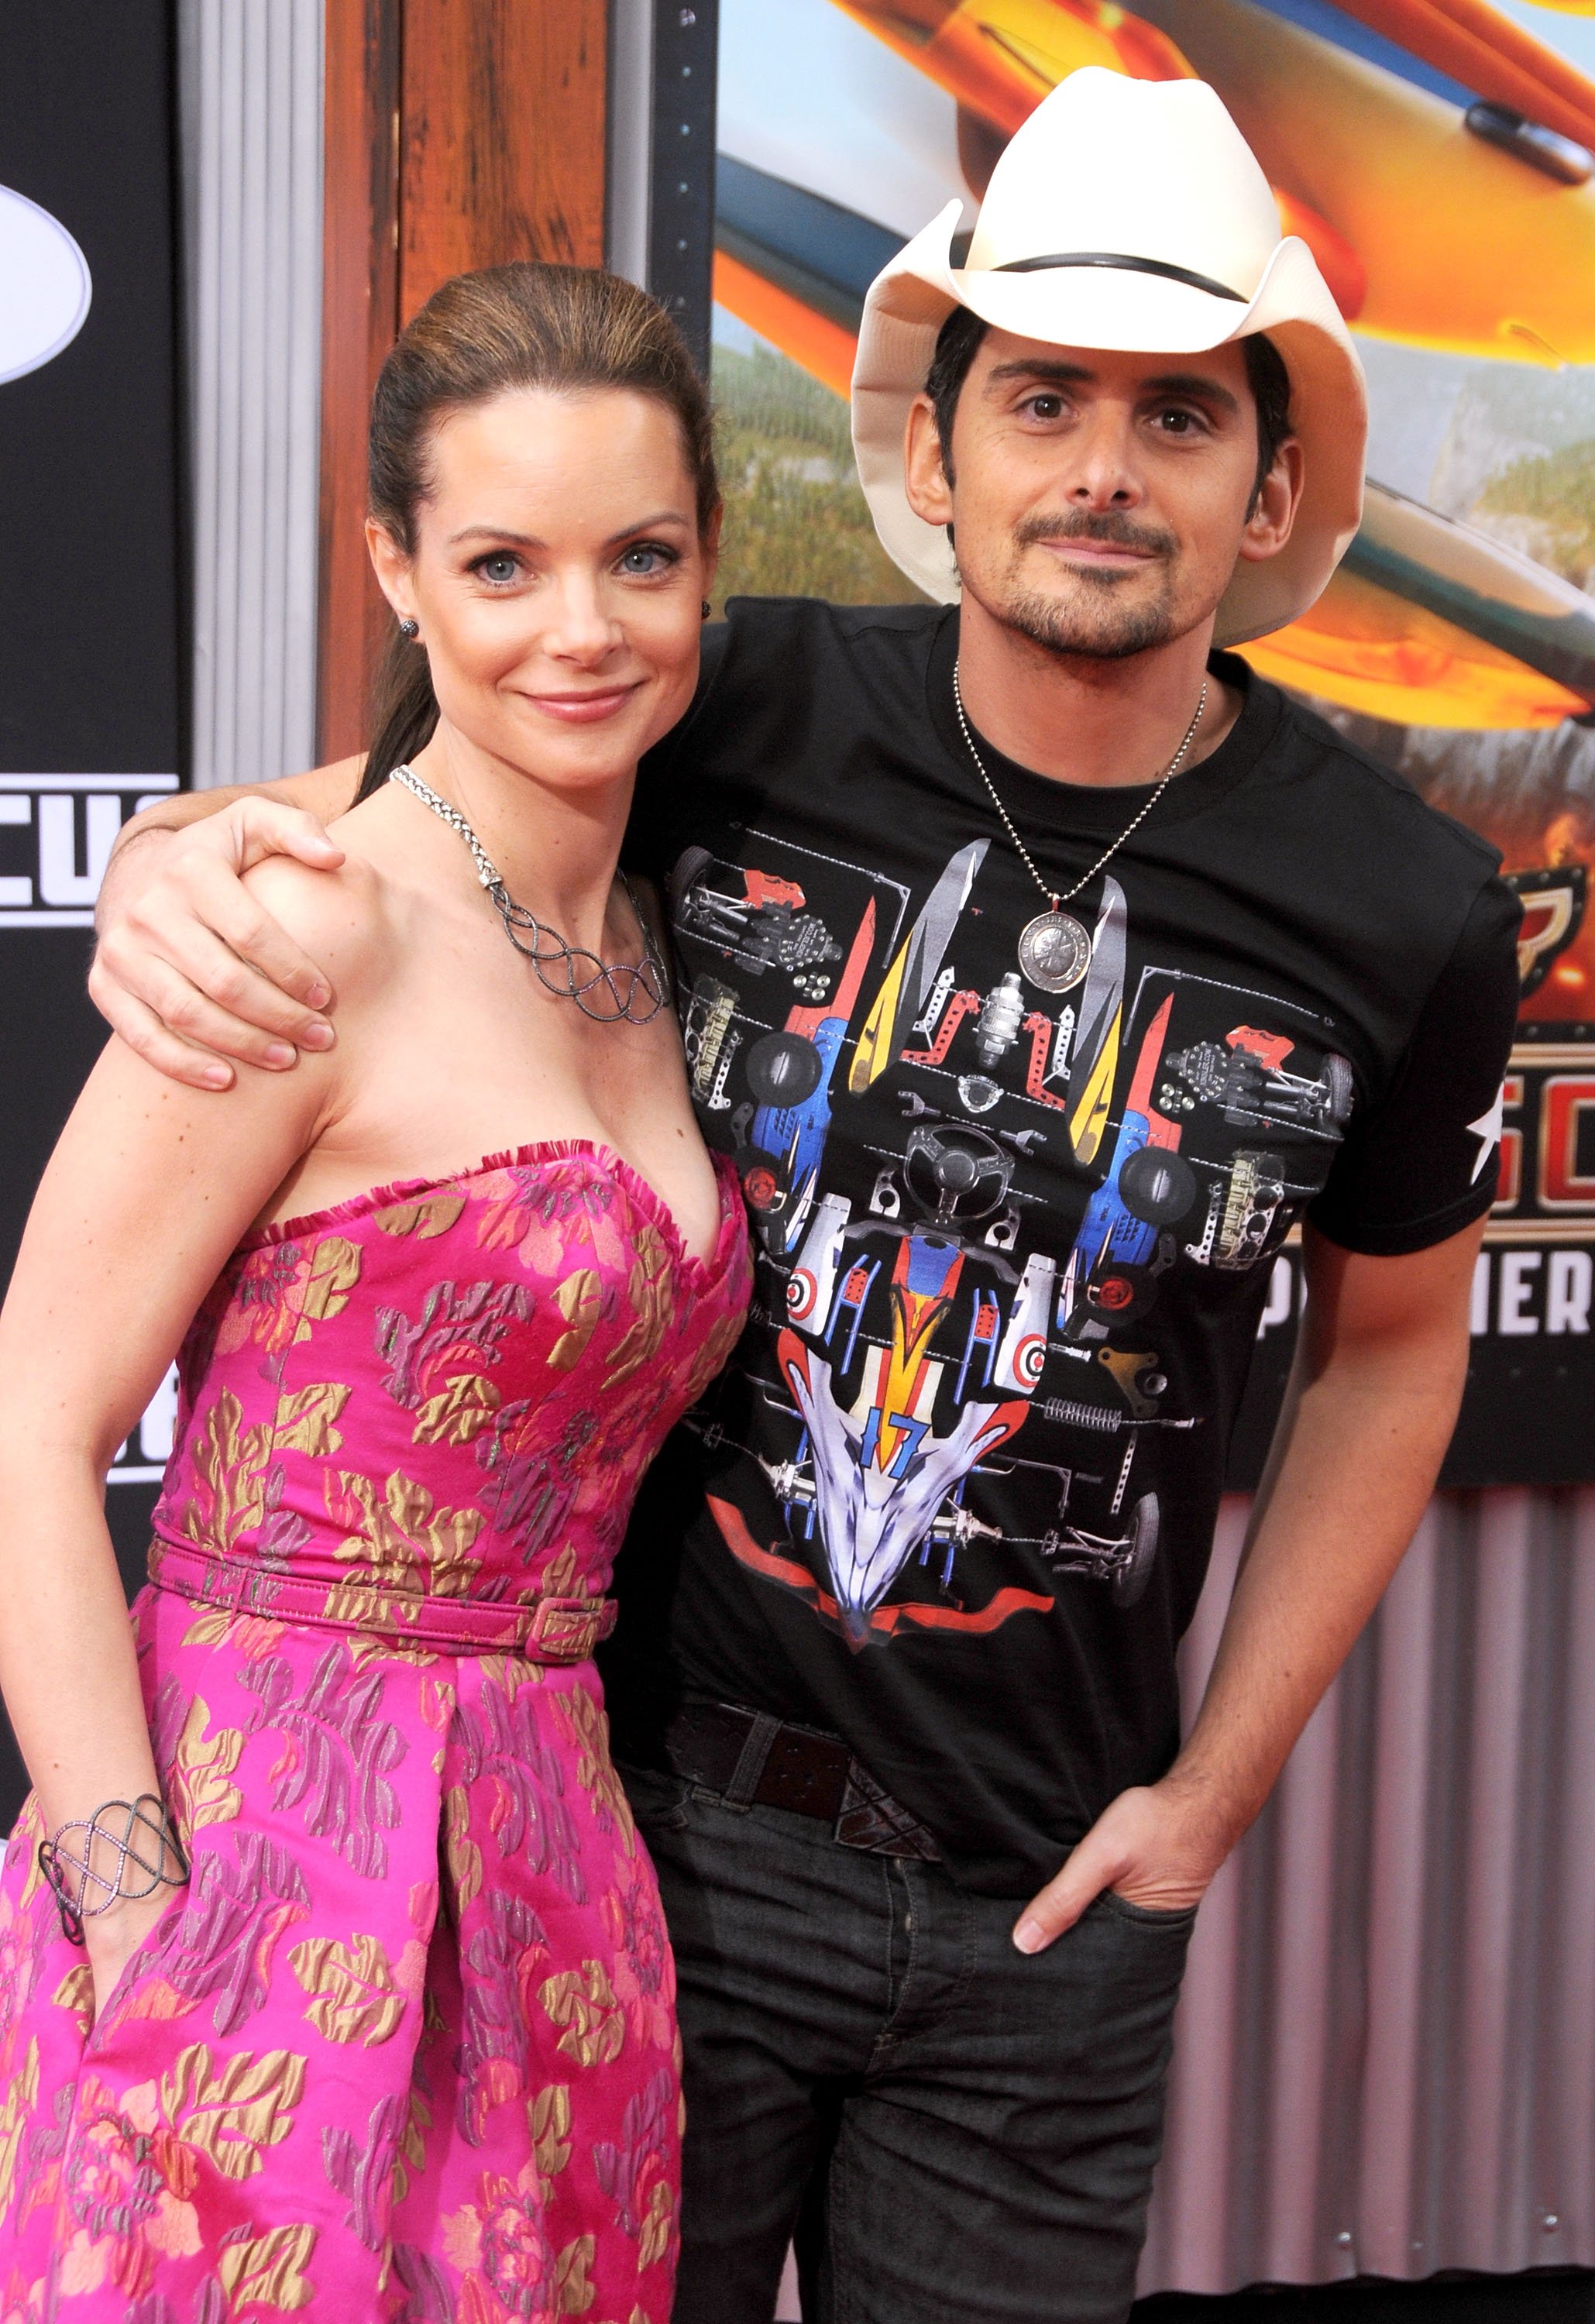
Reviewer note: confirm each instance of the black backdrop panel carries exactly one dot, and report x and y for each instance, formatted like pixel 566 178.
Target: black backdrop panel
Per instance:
pixel 681 205
pixel 1526 1416
pixel 89 631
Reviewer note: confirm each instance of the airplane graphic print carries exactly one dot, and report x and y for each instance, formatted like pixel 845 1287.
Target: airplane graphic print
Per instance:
pixel 973 1200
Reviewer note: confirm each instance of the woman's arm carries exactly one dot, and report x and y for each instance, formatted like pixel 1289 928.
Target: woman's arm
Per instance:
pixel 144 1198
pixel 189 963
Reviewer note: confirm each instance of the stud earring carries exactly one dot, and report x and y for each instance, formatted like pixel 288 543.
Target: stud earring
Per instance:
pixel 705 609
pixel 410 629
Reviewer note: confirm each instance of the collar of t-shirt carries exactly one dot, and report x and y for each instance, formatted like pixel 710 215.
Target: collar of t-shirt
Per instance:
pixel 1041 802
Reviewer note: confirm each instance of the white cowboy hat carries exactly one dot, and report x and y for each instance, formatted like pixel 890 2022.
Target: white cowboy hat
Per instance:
pixel 1124 214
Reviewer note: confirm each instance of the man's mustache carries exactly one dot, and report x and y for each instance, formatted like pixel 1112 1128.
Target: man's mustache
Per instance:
pixel 1119 532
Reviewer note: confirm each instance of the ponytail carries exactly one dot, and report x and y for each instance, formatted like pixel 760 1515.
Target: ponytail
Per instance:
pixel 403 712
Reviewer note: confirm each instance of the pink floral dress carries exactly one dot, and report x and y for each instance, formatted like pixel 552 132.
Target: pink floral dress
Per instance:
pixel 405 2046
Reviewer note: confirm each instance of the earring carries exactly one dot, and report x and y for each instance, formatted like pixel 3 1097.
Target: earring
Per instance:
pixel 705 609
pixel 410 629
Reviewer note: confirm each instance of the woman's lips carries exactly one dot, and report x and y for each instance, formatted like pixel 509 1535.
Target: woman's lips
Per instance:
pixel 584 709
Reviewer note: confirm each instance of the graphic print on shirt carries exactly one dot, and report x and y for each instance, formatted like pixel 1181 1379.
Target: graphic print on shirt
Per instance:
pixel 968 1391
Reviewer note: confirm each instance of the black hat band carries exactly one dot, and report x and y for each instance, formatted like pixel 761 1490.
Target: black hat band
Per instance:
pixel 1129 265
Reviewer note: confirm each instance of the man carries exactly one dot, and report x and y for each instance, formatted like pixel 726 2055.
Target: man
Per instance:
pixel 1042 968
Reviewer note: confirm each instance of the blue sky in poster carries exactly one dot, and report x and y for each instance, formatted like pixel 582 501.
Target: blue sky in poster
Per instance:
pixel 807 95
pixel 1572 37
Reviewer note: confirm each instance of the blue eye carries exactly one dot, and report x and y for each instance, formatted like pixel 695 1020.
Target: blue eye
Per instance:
pixel 499 567
pixel 646 557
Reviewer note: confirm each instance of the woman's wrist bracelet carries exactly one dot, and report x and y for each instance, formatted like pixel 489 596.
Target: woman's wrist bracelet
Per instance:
pixel 109 1856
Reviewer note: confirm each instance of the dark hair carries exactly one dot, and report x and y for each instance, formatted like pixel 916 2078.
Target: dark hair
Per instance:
pixel 483 334
pixel 959 341
pixel 957 344
pixel 1270 382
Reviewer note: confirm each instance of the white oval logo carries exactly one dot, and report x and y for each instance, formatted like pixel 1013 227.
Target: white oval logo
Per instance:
pixel 44 286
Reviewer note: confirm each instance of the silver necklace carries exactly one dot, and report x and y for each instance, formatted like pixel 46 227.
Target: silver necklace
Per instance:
pixel 636 992
pixel 1055 949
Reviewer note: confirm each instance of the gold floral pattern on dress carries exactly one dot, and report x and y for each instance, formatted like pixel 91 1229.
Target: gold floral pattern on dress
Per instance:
pixel 404 2044
pixel 202 1790
pixel 398 1540
pixel 353 1996
pixel 232 2108
pixel 423 1219
pixel 329 1278
pixel 233 1488
pixel 582 2002
pixel 583 1722
pixel 649 1292
pixel 580 1300
pixel 76 1992
pixel 22 2093
pixel 459 1412
pixel 269 2271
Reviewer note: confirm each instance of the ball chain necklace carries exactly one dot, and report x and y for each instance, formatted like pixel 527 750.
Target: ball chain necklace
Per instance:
pixel 1055 949
pixel 636 992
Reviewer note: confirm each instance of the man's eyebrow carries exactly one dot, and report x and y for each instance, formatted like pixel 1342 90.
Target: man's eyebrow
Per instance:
pixel 529 540
pixel 1194 384
pixel 1061 373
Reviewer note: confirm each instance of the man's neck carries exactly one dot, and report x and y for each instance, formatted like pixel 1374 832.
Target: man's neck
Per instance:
pixel 1082 720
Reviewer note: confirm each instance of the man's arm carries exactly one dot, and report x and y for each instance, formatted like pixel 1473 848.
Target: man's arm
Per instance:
pixel 1372 1401
pixel 190 970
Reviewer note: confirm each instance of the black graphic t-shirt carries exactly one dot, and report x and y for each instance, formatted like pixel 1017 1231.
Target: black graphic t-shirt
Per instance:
pixel 1017 1184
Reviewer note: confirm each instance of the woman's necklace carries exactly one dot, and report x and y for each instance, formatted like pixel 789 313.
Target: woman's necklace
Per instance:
pixel 636 992
pixel 1055 950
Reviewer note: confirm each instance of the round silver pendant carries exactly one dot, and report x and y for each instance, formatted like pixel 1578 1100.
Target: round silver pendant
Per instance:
pixel 1054 952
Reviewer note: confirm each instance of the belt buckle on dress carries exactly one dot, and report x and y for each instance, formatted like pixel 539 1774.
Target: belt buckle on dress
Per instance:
pixel 225 1585
pixel 566 1630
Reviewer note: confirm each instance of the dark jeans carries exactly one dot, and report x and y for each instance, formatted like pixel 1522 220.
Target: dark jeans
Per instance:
pixel 954 2134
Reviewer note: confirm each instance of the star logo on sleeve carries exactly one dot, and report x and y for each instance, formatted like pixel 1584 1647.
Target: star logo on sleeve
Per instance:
pixel 1487 1130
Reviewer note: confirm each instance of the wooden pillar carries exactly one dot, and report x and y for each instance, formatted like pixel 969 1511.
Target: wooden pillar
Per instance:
pixel 501 137
pixel 359 318
pixel 459 133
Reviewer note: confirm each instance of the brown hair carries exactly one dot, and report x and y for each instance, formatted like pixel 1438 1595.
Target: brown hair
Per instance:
pixel 483 334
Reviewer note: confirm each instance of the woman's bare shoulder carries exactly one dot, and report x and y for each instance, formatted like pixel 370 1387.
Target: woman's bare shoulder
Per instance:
pixel 345 920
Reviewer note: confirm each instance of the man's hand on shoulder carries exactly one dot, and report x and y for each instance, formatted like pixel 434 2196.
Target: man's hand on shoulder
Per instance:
pixel 191 970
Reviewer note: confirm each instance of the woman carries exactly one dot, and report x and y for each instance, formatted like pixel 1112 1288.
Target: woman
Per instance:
pixel 373 2015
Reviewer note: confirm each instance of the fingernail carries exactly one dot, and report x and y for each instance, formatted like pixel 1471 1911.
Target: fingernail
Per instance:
pixel 216 1077
pixel 1029 1936
pixel 318 1036
pixel 318 996
pixel 277 1055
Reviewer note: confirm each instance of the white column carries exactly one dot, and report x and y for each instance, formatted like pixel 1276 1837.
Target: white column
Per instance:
pixel 250 99
pixel 630 138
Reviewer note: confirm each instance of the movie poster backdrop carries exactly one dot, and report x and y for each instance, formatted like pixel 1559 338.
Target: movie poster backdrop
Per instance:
pixel 90 647
pixel 1438 159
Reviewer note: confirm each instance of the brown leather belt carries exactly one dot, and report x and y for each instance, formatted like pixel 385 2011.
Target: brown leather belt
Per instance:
pixel 752 1759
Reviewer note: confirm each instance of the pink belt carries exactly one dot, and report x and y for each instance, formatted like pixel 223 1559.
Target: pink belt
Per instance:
pixel 546 1630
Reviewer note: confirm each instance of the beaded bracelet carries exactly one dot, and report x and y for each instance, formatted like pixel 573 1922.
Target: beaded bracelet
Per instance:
pixel 70 1876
